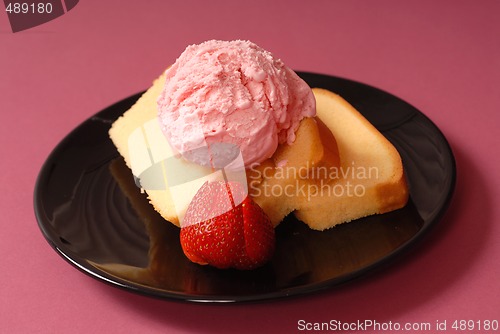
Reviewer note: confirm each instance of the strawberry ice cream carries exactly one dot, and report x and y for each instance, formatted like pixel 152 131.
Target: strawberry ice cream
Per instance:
pixel 221 95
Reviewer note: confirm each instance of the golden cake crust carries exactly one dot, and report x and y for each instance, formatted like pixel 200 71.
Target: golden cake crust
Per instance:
pixel 339 140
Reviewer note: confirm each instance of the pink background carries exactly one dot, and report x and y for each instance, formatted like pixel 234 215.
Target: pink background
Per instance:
pixel 441 56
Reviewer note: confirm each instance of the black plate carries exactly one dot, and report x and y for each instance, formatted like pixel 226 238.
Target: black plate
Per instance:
pixel 91 213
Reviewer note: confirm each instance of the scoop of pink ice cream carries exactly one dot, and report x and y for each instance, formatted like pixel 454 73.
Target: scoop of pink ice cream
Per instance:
pixel 232 93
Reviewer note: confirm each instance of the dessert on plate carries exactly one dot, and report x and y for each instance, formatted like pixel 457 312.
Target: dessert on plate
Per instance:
pixel 228 141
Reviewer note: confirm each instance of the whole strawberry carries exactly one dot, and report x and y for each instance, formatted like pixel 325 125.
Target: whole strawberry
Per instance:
pixel 225 228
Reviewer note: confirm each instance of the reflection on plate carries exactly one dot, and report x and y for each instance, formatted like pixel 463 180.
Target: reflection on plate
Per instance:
pixel 92 214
